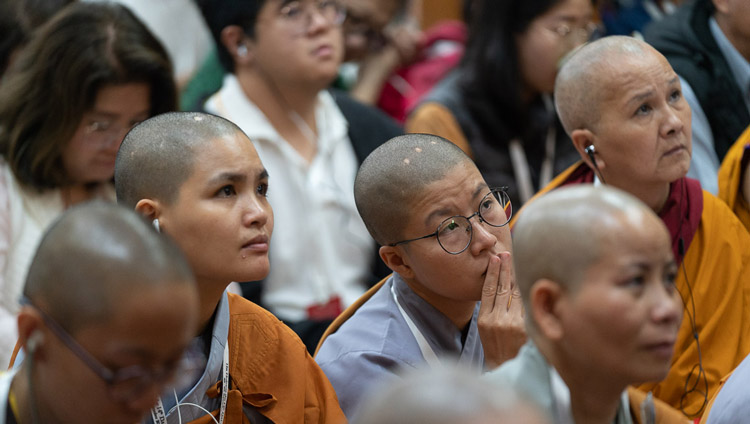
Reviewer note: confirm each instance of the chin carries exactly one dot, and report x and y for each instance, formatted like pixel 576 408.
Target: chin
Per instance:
pixel 256 273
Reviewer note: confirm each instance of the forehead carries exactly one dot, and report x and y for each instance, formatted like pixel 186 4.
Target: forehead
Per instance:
pixel 630 238
pixel 453 194
pixel 229 149
pixel 625 74
pixel 569 10
pixel 377 12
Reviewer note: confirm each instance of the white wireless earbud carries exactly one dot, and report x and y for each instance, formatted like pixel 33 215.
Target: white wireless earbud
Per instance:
pixel 242 50
pixel 155 223
pixel 35 340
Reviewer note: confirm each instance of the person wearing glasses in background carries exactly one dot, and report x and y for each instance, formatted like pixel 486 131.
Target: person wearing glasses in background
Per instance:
pixel 497 104
pixel 280 57
pixel 83 80
pixel 443 231
pixel 103 325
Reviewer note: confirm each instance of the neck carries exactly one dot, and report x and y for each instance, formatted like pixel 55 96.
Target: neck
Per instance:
pixel 279 103
pixel 654 196
pixel 209 294
pixel 21 388
pixel 458 312
pixel 77 193
pixel 738 40
pixel 593 400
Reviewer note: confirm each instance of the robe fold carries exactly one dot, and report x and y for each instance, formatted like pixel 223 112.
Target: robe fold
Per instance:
pixel 714 276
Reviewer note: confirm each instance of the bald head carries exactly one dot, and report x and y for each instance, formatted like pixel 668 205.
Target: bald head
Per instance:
pixel 92 256
pixel 445 395
pixel 561 234
pixel 394 174
pixel 157 155
pixel 583 79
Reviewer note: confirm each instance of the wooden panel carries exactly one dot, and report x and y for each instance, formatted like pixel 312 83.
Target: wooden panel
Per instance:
pixel 431 11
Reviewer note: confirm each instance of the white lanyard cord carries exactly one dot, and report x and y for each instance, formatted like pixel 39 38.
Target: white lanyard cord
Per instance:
pixel 160 417
pixel 521 165
pixel 427 353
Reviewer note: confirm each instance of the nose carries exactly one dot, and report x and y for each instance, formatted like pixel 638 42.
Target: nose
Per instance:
pixel 672 123
pixel 255 211
pixel 667 305
pixel 316 19
pixel 481 239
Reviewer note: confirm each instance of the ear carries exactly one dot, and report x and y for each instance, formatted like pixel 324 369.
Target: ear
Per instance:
pixel 583 138
pixel 237 44
pixel 394 258
pixel 545 299
pixel 149 208
pixel 31 332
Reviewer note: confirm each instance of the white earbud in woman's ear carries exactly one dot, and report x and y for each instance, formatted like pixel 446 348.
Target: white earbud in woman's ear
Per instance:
pixel 155 223
pixel 242 50
pixel 34 341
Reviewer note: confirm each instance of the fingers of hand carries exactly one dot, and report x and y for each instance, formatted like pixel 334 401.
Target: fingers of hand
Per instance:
pixel 491 282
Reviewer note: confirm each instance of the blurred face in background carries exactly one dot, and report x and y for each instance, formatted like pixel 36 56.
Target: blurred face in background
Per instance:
pixel 364 25
pixel 548 39
pixel 90 155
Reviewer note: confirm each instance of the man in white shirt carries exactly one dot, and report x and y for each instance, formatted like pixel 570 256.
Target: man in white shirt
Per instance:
pixel 281 56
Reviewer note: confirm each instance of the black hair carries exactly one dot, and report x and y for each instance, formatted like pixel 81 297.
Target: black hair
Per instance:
pixel 220 14
pixel 491 79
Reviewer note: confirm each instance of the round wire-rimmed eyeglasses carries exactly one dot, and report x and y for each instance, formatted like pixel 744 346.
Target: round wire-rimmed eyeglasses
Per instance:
pixel 124 384
pixel 454 234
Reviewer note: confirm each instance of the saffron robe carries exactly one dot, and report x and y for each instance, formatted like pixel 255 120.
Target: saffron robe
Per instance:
pixel 715 268
pixel 731 174
pixel 271 370
pixel 531 374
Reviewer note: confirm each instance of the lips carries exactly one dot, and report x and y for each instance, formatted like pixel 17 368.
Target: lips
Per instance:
pixel 663 349
pixel 675 150
pixel 258 243
pixel 325 50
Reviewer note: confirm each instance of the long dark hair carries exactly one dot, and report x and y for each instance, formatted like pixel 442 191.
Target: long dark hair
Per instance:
pixel 56 79
pixel 491 79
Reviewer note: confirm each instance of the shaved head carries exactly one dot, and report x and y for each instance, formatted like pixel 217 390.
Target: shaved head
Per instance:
pixel 582 81
pixel 157 155
pixel 445 395
pixel 95 254
pixel 393 176
pixel 561 234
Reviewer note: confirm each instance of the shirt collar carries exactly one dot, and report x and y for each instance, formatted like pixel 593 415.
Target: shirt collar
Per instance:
pixel 737 63
pixel 232 103
pixel 438 329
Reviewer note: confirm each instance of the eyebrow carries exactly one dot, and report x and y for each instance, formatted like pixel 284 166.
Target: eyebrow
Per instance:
pixel 641 97
pixel 444 212
pixel 236 177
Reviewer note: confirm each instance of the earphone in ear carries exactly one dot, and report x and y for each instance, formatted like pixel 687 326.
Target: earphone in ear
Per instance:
pixel 34 341
pixel 242 50
pixel 155 223
pixel 591 151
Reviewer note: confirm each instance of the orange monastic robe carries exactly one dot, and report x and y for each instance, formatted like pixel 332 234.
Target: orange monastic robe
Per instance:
pixel 716 270
pixel 730 177
pixel 271 370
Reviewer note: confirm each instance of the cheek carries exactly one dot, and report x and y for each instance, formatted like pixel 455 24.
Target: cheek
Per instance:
pixel 538 60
